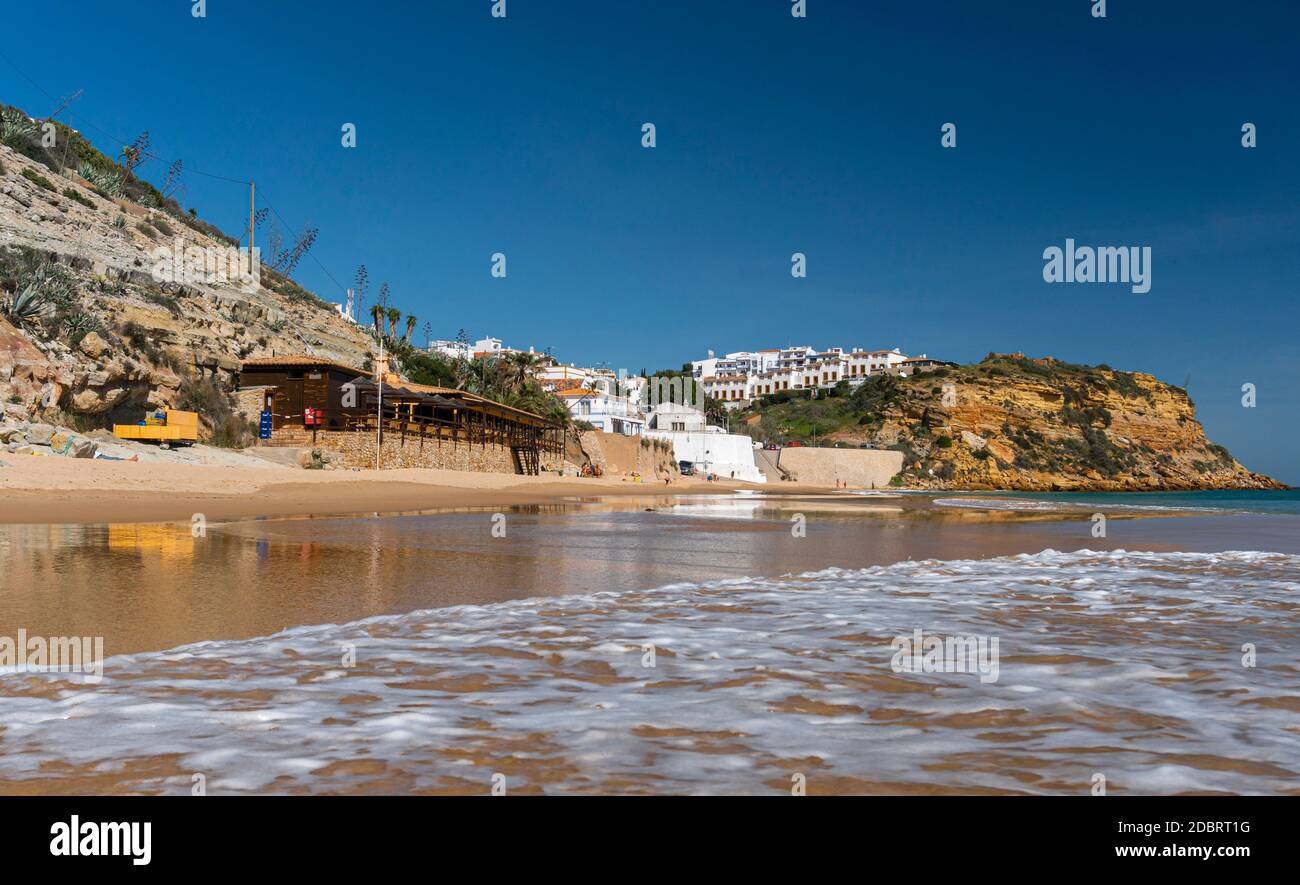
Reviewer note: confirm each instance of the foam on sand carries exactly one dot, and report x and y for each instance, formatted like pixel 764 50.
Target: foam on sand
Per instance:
pixel 1118 663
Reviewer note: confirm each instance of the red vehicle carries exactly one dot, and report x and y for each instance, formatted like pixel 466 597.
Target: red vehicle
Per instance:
pixel 794 444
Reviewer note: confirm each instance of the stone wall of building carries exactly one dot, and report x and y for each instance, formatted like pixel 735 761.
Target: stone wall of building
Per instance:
pixel 349 449
pixel 249 402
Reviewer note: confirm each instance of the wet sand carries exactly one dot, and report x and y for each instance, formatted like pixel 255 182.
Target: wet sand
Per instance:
pixel 1120 664
pixel 509 638
pixel 152 586
pixel 66 491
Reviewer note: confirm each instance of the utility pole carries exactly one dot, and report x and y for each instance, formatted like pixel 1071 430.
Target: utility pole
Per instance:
pixel 251 188
pixel 379 425
pixel 63 105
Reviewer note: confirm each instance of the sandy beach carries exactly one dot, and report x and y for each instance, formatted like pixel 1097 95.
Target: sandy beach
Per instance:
pixel 37 490
pixel 500 625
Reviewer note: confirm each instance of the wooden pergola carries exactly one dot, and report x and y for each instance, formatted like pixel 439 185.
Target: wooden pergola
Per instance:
pixel 439 416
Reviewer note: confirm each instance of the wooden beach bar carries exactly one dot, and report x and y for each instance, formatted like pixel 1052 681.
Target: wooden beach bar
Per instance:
pixel 310 398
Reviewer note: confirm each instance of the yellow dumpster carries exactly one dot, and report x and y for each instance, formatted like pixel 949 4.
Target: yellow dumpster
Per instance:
pixel 165 427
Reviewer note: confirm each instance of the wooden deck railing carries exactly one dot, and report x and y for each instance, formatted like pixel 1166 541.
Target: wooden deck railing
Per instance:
pixel 467 427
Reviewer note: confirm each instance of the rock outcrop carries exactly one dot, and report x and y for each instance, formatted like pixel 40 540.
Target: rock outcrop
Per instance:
pixel 1038 425
pixel 122 341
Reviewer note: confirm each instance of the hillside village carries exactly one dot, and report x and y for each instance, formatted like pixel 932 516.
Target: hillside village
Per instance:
pixel 100 325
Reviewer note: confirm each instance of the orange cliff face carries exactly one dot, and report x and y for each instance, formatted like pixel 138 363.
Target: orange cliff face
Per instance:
pixel 1038 425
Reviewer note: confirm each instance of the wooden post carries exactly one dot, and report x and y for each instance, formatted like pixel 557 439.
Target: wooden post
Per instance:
pixel 252 187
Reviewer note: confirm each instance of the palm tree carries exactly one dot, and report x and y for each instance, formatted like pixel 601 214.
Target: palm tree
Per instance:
pixel 410 327
pixel 377 315
pixel 480 376
pixel 521 366
pixel 393 315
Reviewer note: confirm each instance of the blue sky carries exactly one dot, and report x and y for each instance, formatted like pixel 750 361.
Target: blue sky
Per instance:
pixel 775 135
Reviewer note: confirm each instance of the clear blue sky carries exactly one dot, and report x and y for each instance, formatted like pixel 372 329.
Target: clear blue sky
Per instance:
pixel 775 135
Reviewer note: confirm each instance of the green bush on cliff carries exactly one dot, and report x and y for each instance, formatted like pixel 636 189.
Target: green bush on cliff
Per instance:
pixel 216 408
pixel 72 194
pixel 39 180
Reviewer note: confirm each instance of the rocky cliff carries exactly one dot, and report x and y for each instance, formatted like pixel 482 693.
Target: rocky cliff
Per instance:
pixel 114 339
pixel 1010 422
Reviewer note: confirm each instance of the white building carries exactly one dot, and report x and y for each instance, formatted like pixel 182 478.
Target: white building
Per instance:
pixel 740 377
pixel 483 347
pixel 676 417
pixel 604 411
pixel 864 363
pixel 457 350
pixel 705 368
pixel 713 450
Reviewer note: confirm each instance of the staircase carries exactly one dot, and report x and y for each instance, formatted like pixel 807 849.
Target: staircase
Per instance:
pixel 769 464
pixel 527 460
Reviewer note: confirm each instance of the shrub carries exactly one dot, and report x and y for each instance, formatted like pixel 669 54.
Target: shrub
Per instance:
pixel 1126 386
pixel 163 227
pixel 1221 453
pixel 39 180
pixel 216 408
pixel 71 194
pixel 944 442
pixel 147 229
pixel 78 325
pixel 162 299
pixel 27 306
pixel 107 182
pixel 15 128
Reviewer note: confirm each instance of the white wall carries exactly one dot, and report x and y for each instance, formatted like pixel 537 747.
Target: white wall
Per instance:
pixel 720 453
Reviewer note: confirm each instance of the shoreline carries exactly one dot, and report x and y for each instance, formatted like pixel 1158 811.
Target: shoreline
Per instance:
pixel 58 491
pixel 49 491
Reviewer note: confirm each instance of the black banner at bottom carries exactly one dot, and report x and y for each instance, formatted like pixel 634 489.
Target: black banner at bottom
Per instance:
pixel 336 834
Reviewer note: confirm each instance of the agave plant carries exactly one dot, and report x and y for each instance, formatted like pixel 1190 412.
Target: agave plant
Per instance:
pixel 53 282
pixel 15 128
pixel 78 325
pixel 28 306
pixel 106 180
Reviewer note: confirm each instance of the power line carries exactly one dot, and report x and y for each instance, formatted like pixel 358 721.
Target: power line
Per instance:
pixel 324 269
pixel 188 169
pixel 91 125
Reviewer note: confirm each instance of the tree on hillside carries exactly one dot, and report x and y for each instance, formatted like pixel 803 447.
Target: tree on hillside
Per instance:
pixel 394 316
pixel 363 277
pixel 410 327
pixel 173 179
pixel 134 154
pixel 377 316
pixel 479 376
pixel 520 367
pixel 300 248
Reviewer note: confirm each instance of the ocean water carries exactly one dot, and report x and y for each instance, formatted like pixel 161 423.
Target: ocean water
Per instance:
pixel 1282 502
pixel 1123 664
